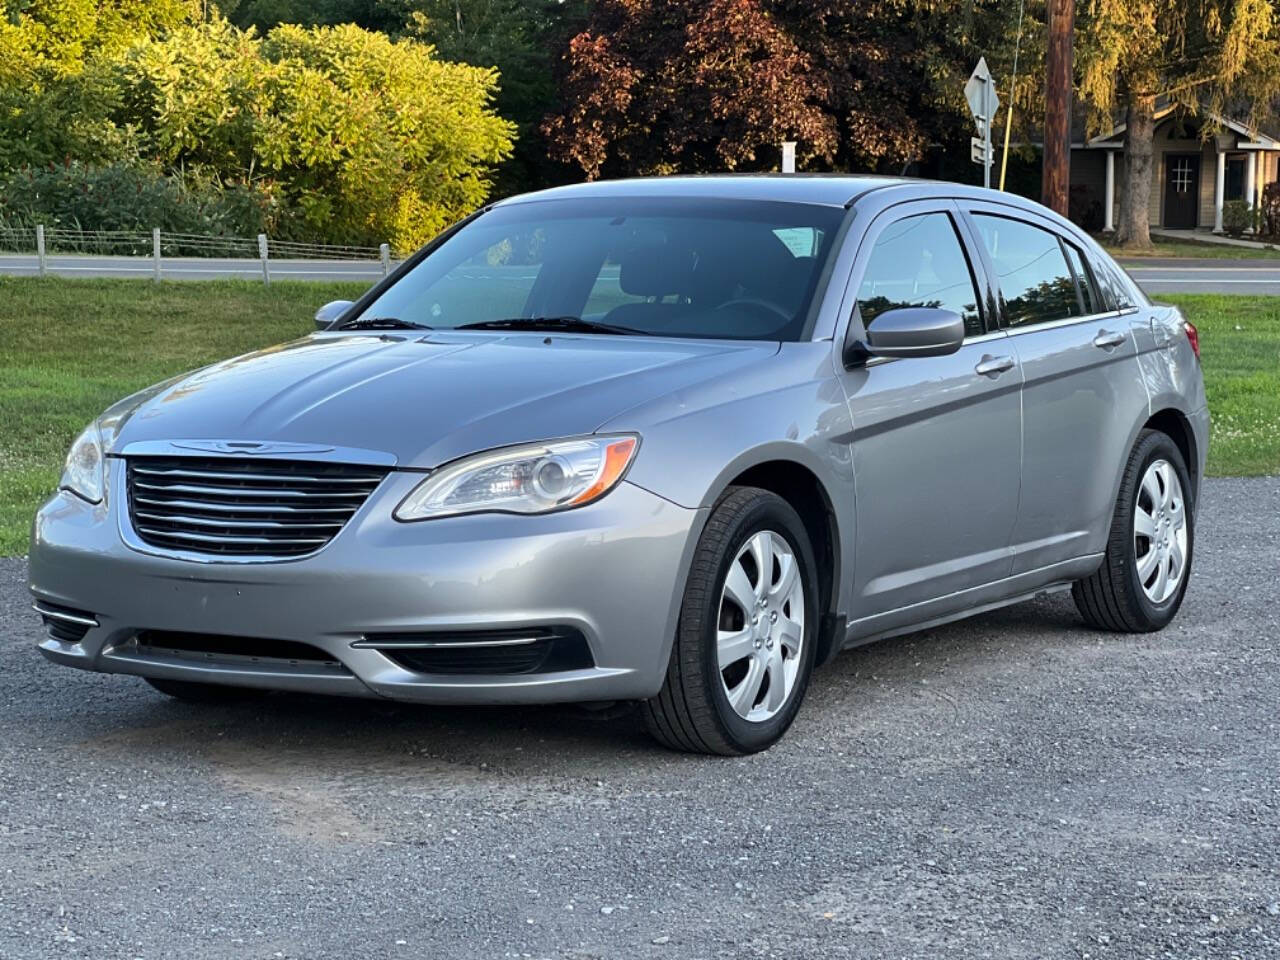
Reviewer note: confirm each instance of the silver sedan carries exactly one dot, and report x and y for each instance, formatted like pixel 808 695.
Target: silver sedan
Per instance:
pixel 673 441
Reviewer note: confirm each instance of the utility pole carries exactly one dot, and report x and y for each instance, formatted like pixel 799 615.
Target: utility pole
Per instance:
pixel 1057 106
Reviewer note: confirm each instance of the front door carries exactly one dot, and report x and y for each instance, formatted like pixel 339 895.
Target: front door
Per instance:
pixel 936 440
pixel 1181 191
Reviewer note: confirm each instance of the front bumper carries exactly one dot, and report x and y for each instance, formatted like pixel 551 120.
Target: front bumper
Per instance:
pixel 613 571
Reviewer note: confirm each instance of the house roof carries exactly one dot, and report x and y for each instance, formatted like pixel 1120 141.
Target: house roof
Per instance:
pixel 1115 137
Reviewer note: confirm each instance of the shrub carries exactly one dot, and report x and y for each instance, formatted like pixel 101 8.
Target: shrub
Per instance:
pixel 133 196
pixel 365 139
pixel 1270 213
pixel 1237 217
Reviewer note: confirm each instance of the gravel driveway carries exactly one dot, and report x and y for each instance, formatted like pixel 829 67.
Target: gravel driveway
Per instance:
pixel 1015 786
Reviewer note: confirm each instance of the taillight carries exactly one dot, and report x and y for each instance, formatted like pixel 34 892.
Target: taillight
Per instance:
pixel 1193 337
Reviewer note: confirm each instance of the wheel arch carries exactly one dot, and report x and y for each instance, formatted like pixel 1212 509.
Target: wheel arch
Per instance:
pixel 802 488
pixel 1174 423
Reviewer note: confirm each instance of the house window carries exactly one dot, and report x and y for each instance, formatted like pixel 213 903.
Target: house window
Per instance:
pixel 1180 174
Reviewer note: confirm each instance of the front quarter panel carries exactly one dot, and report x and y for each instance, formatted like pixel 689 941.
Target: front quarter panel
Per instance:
pixel 787 407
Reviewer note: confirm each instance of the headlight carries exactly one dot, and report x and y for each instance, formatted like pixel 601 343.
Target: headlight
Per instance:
pixel 83 474
pixel 536 478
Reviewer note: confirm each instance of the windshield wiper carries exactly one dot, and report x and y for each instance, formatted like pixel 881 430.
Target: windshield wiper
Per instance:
pixel 569 324
pixel 383 323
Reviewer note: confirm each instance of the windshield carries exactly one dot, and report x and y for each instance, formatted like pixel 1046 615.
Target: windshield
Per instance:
pixel 668 267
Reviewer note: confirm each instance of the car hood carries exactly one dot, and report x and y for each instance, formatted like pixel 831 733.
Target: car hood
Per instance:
pixel 423 399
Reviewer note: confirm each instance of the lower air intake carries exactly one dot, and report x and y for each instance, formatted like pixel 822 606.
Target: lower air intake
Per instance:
pixel 65 624
pixel 220 649
pixel 485 653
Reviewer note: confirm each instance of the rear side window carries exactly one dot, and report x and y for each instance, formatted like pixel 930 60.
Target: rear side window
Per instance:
pixel 1084 277
pixel 919 262
pixel 1034 276
pixel 1115 289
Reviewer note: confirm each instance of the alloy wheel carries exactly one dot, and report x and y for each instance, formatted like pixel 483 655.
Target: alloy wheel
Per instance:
pixel 761 627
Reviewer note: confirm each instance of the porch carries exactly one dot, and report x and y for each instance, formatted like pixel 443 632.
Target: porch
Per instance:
pixel 1192 178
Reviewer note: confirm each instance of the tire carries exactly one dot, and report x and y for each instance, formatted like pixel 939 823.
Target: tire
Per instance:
pixel 693 711
pixel 1125 594
pixel 191 692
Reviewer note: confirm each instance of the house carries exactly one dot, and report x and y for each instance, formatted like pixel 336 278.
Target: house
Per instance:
pixel 1191 177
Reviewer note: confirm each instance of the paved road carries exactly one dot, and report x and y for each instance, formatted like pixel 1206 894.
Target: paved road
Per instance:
pixel 1154 275
pixel 1170 275
pixel 1013 787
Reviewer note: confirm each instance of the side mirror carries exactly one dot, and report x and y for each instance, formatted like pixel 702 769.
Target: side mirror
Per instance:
pixel 910 332
pixel 330 312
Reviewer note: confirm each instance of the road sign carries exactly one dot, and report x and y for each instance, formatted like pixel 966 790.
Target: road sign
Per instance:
pixel 980 91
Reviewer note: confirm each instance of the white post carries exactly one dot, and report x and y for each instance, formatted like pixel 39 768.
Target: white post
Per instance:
pixel 987 157
pixel 40 247
pixel 384 253
pixel 1219 191
pixel 788 156
pixel 262 255
pixel 155 250
pixel 1109 204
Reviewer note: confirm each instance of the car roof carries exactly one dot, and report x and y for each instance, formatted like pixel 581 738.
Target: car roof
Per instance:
pixel 827 189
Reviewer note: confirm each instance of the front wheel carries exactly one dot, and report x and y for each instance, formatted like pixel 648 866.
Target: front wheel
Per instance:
pixel 744 646
pixel 1144 575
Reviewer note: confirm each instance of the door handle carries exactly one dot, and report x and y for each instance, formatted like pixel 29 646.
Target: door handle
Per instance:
pixel 992 367
pixel 1107 340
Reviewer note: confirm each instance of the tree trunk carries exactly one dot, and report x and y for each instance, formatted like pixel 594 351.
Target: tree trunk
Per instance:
pixel 1134 229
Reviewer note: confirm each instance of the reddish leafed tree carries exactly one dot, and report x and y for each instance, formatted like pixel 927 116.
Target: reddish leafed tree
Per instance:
pixel 698 85
pixel 875 58
pixel 687 85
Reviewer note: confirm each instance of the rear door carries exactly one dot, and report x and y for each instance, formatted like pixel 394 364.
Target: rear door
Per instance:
pixel 1081 385
pixel 935 439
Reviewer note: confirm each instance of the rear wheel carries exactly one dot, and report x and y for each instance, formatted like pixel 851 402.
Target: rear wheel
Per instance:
pixel 193 692
pixel 1144 575
pixel 745 642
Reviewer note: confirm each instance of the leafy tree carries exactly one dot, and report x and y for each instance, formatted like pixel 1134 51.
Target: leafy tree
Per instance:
pixel 686 85
pixel 54 98
pixel 361 138
pixel 1208 55
pixel 518 39
pixel 692 86
pixel 265 14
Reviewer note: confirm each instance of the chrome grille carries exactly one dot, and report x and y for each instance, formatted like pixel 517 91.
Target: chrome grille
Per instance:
pixel 229 506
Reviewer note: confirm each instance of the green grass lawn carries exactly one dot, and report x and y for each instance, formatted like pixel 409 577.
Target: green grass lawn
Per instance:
pixel 1240 350
pixel 1191 249
pixel 69 348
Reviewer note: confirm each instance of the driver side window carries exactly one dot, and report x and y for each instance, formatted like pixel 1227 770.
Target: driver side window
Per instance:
pixel 919 262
